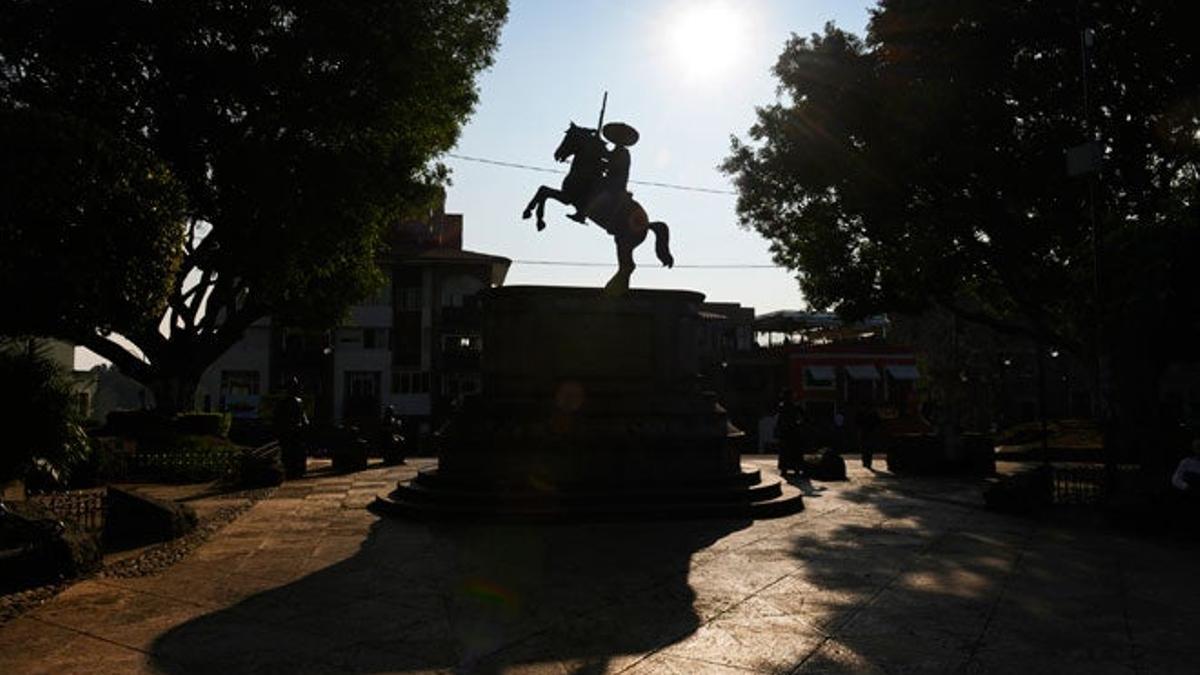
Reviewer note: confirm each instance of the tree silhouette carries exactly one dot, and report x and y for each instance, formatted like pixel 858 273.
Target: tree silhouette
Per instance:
pixel 925 165
pixel 295 129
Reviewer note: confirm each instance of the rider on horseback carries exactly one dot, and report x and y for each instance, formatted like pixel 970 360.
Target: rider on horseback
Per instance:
pixel 609 193
pixel 595 186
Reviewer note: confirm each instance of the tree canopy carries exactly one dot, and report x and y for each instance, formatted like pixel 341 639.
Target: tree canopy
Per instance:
pixel 294 130
pixel 925 164
pixel 91 229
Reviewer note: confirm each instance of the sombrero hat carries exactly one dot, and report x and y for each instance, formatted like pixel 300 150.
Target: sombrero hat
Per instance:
pixel 620 133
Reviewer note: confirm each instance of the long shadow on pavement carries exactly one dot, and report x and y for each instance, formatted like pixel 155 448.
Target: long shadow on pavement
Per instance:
pixel 921 580
pixel 470 598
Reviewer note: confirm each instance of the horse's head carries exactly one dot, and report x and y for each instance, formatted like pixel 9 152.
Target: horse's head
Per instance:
pixel 575 139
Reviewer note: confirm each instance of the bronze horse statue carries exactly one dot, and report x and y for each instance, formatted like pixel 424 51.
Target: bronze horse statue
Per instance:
pixel 625 220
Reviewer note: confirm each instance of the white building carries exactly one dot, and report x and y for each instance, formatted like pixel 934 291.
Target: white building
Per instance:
pixel 413 346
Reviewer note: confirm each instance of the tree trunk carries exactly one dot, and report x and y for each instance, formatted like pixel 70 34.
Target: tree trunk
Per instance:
pixel 173 392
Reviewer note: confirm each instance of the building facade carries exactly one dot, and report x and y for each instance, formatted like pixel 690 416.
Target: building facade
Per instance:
pixel 413 346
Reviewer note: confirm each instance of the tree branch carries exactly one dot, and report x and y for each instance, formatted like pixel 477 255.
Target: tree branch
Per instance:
pixel 1005 327
pixel 193 298
pixel 121 357
pixel 221 299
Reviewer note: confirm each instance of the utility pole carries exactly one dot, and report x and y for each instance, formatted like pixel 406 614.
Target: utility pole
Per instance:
pixel 1082 160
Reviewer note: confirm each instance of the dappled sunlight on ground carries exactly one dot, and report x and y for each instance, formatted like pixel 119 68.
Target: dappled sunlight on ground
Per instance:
pixel 878 574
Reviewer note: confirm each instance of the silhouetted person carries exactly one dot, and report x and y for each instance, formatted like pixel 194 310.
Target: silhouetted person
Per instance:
pixel 611 189
pixel 391 436
pixel 604 200
pixel 868 423
pixel 290 424
pixel 787 431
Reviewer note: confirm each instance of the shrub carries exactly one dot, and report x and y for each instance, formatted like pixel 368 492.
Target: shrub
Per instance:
pixel 203 424
pixel 168 458
pixel 41 426
pixel 134 424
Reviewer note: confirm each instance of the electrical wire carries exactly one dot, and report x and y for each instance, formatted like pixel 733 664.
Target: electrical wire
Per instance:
pixel 542 169
pixel 716 266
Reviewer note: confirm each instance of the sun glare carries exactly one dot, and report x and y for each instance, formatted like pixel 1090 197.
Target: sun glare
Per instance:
pixel 706 39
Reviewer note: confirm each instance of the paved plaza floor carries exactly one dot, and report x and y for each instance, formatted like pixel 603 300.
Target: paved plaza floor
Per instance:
pixel 878 574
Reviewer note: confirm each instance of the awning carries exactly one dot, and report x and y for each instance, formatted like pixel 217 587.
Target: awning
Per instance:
pixel 821 373
pixel 907 372
pixel 862 372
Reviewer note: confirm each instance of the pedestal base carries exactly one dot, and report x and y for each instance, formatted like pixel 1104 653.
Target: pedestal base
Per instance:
pixel 590 407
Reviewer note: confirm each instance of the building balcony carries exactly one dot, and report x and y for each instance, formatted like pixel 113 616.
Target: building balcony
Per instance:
pixel 460 360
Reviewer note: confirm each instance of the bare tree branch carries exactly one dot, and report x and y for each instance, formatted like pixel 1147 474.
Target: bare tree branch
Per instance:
pixel 122 358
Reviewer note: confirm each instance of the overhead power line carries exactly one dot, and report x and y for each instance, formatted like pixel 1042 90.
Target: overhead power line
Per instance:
pixel 714 266
pixel 543 169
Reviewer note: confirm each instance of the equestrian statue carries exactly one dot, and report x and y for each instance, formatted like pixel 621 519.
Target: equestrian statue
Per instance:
pixel 596 185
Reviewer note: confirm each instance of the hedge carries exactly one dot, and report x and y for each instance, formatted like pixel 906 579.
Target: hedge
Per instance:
pixel 203 424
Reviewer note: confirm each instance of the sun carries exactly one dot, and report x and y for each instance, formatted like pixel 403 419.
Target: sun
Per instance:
pixel 706 39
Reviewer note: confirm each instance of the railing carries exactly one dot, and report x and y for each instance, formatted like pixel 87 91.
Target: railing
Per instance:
pixel 85 507
pixel 1084 485
pixel 180 465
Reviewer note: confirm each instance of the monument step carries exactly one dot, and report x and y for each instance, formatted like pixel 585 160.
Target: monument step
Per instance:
pixel 431 496
pixel 418 490
pixel 788 501
pixel 748 476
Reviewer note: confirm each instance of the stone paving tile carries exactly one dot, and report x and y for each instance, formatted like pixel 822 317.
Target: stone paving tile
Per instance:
pixel 764 644
pixel 872 577
pixel 118 615
pixel 31 646
pixel 676 665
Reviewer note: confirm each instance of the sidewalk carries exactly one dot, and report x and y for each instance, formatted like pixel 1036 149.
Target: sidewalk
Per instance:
pixel 879 574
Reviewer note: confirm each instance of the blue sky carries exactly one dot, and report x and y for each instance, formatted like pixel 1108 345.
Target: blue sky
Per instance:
pixel 687 75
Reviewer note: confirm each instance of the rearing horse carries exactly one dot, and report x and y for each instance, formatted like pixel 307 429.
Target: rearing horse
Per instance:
pixel 626 222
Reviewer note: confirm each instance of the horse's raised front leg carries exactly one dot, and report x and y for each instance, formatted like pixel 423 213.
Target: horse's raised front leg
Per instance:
pixel 539 203
pixel 619 284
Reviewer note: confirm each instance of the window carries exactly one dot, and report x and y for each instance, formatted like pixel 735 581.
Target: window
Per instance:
pixel 374 338
pixel 453 385
pixel 362 383
pixel 410 382
pixel 409 289
pixel 819 377
pixel 350 336
pixel 407 339
pixel 361 395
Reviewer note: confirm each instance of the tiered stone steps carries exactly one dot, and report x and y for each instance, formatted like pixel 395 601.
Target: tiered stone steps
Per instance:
pixel 432 496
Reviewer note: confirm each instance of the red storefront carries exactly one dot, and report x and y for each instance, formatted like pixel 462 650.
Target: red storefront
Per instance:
pixel 845 378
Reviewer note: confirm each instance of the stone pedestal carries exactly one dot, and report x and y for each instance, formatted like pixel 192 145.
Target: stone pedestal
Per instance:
pixel 590 405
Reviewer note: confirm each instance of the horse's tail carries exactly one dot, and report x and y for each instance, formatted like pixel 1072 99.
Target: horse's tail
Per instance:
pixel 662 241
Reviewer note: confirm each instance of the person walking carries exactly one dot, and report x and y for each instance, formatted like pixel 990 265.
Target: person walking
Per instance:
pixel 868 423
pixel 787 431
